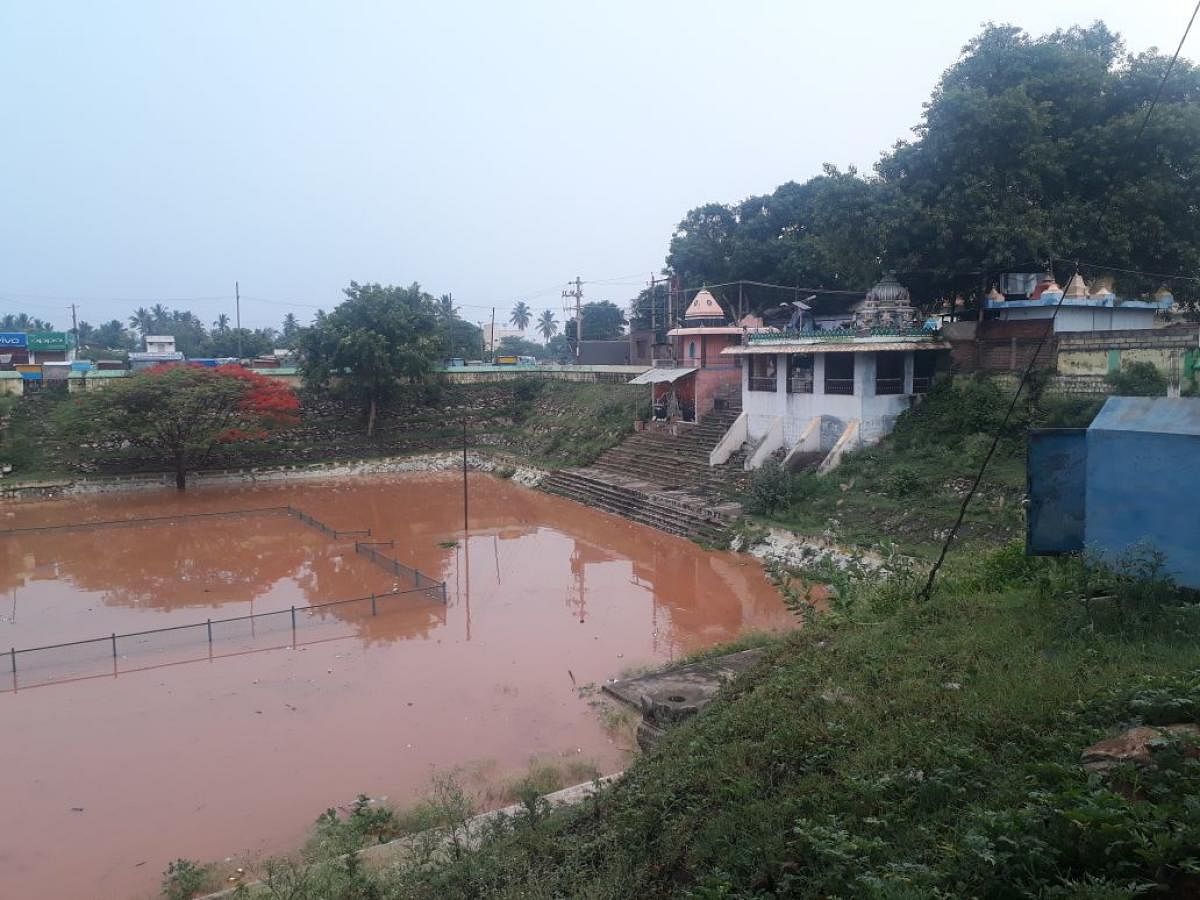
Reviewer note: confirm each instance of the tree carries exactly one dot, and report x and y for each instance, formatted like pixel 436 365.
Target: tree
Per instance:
pixel 222 323
pixel 558 348
pixel 521 315
pixel 180 413
pixel 547 326
pixel 141 321
pixel 377 339
pixel 23 322
pixel 511 345
pixel 602 321
pixel 1025 153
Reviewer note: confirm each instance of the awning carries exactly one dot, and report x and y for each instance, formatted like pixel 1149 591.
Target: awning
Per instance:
pixel 655 376
pixel 833 347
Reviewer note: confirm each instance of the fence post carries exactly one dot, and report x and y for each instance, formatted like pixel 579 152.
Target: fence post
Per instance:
pixel 210 632
pixel 13 653
pixel 114 643
pixel 293 626
pixel 372 604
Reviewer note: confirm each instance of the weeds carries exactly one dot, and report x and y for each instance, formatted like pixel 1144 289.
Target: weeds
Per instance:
pixel 185 879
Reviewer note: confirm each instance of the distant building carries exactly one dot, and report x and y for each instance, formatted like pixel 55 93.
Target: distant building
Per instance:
pixel 822 391
pixel 160 350
pixel 160 343
pixel 493 336
pixel 1030 296
pixel 603 353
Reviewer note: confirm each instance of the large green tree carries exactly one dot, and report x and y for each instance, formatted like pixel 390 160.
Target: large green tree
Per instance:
pixel 602 321
pixel 376 340
pixel 1028 151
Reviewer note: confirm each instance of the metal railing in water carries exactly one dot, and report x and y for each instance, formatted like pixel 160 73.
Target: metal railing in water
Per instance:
pixel 434 589
pixel 71 660
pixel 80 659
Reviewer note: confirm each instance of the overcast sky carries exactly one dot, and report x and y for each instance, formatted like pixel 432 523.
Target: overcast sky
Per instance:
pixel 159 151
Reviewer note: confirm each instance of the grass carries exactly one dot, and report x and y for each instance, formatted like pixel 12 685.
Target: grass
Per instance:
pixel 894 749
pixel 909 488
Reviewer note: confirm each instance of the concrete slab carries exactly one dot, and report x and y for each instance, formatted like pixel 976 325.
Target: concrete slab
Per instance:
pixel 667 698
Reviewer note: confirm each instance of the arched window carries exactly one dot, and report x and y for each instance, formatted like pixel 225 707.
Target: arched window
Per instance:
pixel 692 350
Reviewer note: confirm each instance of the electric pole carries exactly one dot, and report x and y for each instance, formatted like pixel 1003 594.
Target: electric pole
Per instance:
pixel 492 340
pixel 578 295
pixel 75 329
pixel 237 294
pixel 653 306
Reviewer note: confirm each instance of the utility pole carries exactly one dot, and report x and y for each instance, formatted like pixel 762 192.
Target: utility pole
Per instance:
pixel 237 293
pixel 578 295
pixel 75 328
pixel 653 305
pixel 492 340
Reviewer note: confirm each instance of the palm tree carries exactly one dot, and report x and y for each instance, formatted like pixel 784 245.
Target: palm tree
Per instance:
pixel 445 306
pixel 24 322
pixel 521 315
pixel 546 324
pixel 141 320
pixel 222 323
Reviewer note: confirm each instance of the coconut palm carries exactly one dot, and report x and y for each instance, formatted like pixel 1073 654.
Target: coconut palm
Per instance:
pixel 23 322
pixel 546 324
pixel 521 315
pixel 142 320
pixel 222 323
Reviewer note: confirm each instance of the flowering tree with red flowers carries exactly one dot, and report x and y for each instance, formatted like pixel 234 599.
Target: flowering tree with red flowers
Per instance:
pixel 180 413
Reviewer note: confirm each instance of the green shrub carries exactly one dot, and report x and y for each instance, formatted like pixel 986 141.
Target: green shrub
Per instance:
pixel 1137 379
pixel 903 480
pixel 526 390
pixel 770 489
pixel 184 879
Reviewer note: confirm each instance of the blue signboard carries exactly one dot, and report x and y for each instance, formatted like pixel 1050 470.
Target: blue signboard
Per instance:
pixel 12 340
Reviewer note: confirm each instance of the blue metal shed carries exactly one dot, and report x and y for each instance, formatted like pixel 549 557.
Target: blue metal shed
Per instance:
pixel 1129 478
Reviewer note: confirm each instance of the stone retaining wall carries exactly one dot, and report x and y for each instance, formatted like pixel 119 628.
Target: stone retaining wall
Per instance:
pixel 521 473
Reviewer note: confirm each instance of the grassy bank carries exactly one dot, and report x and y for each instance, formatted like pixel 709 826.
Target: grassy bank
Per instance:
pixel 550 423
pixel 891 749
pixel 908 489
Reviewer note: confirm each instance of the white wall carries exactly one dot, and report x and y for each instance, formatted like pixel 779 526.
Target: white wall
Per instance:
pixel 1084 318
pixel 877 414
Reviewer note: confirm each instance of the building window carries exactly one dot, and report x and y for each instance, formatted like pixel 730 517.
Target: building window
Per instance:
pixel 889 373
pixel 691 349
pixel 800 373
pixel 839 373
pixel 924 364
pixel 762 372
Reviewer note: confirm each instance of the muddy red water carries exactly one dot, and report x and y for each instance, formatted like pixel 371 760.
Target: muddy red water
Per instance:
pixel 172 749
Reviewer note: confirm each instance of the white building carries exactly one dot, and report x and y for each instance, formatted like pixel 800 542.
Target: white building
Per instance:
pixel 1082 307
pixel 160 348
pixel 825 391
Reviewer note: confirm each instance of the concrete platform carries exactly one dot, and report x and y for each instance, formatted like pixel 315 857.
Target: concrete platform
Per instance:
pixel 667 698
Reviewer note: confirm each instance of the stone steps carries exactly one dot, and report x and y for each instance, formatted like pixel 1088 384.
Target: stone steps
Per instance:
pixel 664 480
pixel 641 502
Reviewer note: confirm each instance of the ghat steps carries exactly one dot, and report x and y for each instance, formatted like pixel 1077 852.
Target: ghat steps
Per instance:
pixel 664 480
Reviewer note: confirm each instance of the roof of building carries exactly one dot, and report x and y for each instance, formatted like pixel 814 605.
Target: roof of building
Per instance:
pixel 705 329
pixel 1157 415
pixel 861 346
pixel 655 376
pixel 704 306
